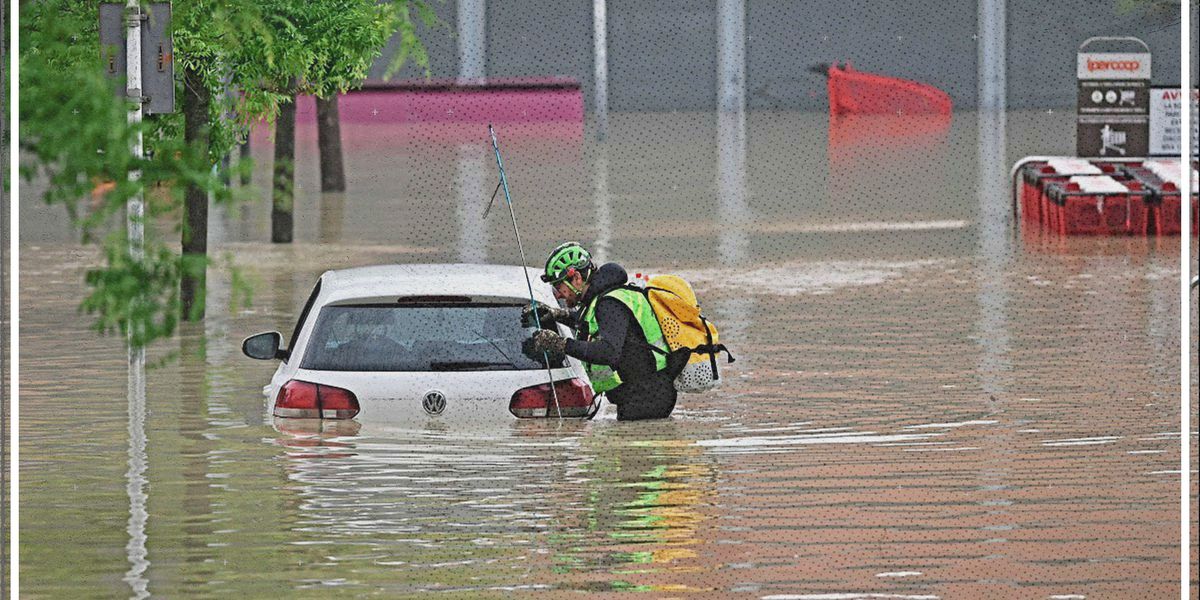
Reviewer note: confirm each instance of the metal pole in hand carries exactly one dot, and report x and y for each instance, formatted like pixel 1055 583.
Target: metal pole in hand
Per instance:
pixel 524 269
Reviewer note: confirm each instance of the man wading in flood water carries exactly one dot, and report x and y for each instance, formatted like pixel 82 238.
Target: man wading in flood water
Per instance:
pixel 616 328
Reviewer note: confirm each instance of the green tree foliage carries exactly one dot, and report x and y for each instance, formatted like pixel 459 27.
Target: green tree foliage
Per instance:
pixel 323 48
pixel 208 36
pixel 319 48
pixel 75 135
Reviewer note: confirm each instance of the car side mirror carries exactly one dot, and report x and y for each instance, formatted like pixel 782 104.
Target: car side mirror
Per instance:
pixel 264 346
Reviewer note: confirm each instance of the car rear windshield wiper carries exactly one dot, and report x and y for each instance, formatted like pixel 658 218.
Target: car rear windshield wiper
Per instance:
pixel 497 347
pixel 467 365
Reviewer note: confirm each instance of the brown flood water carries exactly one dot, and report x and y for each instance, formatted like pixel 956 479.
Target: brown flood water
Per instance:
pixel 926 404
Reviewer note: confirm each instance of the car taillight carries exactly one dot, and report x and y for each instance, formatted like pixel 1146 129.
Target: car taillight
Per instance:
pixel 302 399
pixel 574 400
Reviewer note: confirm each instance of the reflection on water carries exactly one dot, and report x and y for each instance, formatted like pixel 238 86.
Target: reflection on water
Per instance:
pixel 472 190
pixel 136 476
pixel 925 405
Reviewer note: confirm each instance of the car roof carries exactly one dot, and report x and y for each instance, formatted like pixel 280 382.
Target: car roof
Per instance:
pixel 497 281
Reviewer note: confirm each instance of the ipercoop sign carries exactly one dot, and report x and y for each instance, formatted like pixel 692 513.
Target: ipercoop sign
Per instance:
pixel 1112 65
pixel 1113 104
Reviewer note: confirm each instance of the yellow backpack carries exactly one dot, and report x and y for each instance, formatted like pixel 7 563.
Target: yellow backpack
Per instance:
pixel 684 327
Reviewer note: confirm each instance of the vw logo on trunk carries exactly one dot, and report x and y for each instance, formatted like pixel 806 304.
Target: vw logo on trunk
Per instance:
pixel 434 402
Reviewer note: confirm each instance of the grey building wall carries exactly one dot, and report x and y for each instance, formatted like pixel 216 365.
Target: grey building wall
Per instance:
pixel 924 41
pixel 663 53
pixel 553 38
pixel 1043 38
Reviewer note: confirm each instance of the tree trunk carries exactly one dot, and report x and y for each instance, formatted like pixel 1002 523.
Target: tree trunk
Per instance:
pixel 329 141
pixel 284 173
pixel 195 220
pixel 243 156
pixel 226 163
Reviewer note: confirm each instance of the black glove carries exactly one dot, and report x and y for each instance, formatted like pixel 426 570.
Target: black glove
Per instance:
pixel 546 314
pixel 547 341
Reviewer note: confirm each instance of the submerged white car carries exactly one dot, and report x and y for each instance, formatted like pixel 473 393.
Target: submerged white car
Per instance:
pixel 414 343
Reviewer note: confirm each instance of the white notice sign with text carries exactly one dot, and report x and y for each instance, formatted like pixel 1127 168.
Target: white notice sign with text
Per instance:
pixel 1166 135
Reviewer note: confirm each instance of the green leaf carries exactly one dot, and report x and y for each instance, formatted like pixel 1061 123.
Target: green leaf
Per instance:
pixel 248 55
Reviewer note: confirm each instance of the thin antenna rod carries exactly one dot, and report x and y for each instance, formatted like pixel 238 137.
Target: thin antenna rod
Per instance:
pixel 524 268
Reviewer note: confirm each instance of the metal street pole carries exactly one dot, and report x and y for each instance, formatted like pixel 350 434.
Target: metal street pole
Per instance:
pixel 992 55
pixel 600 57
pixel 472 40
pixel 731 56
pixel 133 91
pixel 135 476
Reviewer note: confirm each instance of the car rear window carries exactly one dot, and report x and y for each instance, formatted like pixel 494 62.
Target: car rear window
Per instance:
pixel 435 337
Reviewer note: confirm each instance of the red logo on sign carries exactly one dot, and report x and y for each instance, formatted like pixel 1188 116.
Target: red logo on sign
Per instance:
pixel 1113 65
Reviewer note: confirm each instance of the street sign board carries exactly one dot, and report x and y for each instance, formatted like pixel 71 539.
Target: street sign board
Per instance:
pixel 158 64
pixel 1113 102
pixel 1166 131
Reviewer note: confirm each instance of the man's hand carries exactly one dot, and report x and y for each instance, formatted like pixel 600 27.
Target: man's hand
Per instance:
pixel 546 341
pixel 546 314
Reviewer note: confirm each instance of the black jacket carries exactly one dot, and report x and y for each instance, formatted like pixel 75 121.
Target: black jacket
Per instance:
pixel 620 343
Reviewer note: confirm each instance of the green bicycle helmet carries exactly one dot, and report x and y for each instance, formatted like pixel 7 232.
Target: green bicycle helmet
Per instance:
pixel 563 259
